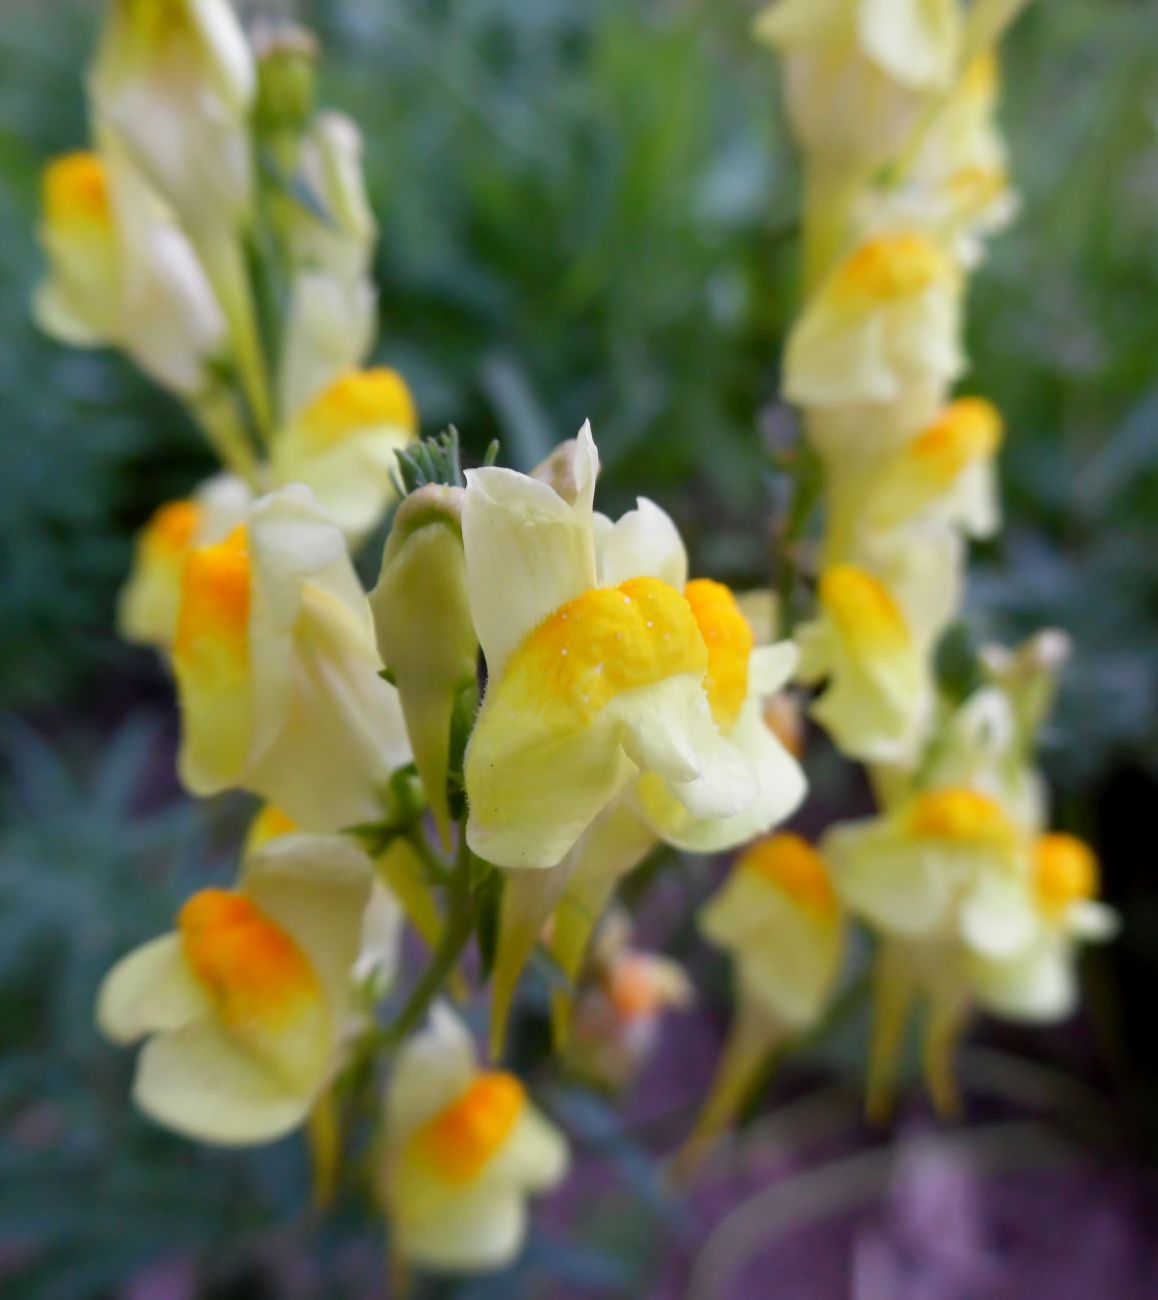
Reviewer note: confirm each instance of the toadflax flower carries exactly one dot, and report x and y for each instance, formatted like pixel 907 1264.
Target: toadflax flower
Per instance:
pixel 941 877
pixel 460 1151
pixel 869 642
pixel 596 677
pixel 122 273
pixel 857 70
pixel 150 600
pixel 343 445
pixel 1038 982
pixel 623 703
pixel 781 921
pixel 174 81
pixel 886 319
pixel 246 1005
pixel 278 671
pixel 622 997
pixel 330 322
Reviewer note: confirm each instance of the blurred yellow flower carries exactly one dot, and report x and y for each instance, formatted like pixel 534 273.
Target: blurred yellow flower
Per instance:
pixel 278 670
pixel 343 446
pixel 245 1007
pixel 460 1151
pixel 885 319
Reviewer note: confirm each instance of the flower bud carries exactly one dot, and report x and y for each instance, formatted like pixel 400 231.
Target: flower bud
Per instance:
pixel 425 634
pixel 286 55
pixel 174 80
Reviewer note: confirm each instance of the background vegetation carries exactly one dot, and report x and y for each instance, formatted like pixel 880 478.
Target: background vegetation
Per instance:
pixel 586 211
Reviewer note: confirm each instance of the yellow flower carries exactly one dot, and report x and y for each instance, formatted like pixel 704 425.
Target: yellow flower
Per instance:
pixel 591 686
pixel 461 1149
pixel 245 1005
pixel 278 671
pixel 879 694
pixel 123 273
pixel 780 919
pixel 886 319
pixel 344 446
pixel 858 71
pixel 1038 983
pixel 150 600
pixel 947 864
pixel 174 81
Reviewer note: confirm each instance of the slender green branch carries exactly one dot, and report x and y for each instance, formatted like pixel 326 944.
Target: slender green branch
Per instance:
pixel 460 924
pixel 806 486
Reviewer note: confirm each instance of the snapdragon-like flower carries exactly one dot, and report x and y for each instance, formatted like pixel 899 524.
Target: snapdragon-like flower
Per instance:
pixel 278 670
pixel 867 644
pixel 946 474
pixel 781 921
pixel 858 71
pixel 150 601
pixel 461 1149
pixel 343 445
pixel 599 673
pixel 885 321
pixel 122 273
pixel 246 1005
pixel 945 864
pixel 944 880
pixel 174 81
pixel 1038 983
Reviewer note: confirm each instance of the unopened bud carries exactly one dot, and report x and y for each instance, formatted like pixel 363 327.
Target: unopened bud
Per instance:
pixel 425 634
pixel 286 57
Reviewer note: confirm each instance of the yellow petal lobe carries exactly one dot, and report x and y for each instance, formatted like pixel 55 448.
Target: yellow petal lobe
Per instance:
pixel 1065 872
pixel 959 815
pixel 213 628
pixel 888 269
pixel 269 824
pixel 459 1141
pixel 358 400
pixel 867 617
pixel 265 991
pixel 605 642
pixel 969 429
pixel 794 866
pixel 729 639
pixel 76 192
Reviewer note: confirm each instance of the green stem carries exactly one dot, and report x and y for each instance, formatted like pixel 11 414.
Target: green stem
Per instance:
pixel 805 495
pixel 224 262
pixel 456 934
pixel 223 430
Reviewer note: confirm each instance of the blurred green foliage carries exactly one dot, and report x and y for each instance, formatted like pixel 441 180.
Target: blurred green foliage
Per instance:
pixel 587 210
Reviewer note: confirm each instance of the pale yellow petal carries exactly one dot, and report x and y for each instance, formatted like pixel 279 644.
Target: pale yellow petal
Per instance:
pixel 198 1083
pixel 151 989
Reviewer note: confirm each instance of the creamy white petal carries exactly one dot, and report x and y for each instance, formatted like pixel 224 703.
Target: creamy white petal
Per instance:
pixel 196 1082
pixel 151 989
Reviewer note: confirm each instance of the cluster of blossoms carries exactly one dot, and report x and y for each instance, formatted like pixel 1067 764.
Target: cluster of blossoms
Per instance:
pixel 220 235
pixel 972 901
